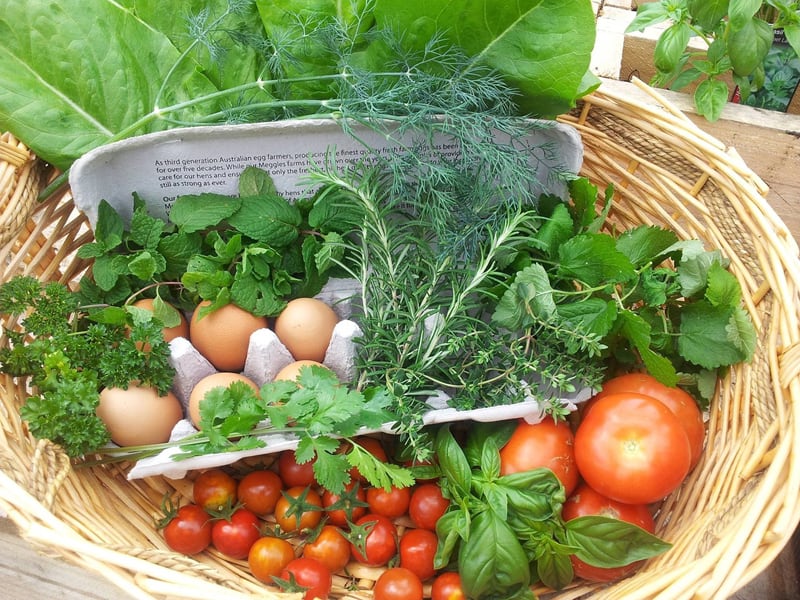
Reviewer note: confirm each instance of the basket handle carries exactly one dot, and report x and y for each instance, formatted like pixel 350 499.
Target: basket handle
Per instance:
pixel 20 181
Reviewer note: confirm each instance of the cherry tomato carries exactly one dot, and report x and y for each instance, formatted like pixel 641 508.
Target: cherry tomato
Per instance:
pixel 545 444
pixel 330 547
pixel 427 505
pixel 269 556
pixel 586 501
pixel 310 574
pixel 632 448
pixel 392 504
pixel 447 586
pixel 259 491
pixel 293 473
pixel 298 508
pixel 214 490
pixel 417 551
pixel 373 540
pixel 233 537
pixel 189 531
pixel 398 583
pixel 677 400
pixel 347 507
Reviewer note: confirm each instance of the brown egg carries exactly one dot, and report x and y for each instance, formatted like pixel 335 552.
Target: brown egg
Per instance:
pixel 305 327
pixel 138 415
pixel 170 333
pixel 222 336
pixel 292 370
pixel 222 379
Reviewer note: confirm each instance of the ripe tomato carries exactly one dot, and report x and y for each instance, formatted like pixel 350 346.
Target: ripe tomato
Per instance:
pixel 586 501
pixel 189 530
pixel 417 551
pixel 310 574
pixel 293 473
pixel 427 505
pixel 632 448
pixel 447 586
pixel 330 547
pixel 677 400
pixel 545 444
pixel 259 491
pixel 298 508
pixel 233 537
pixel 398 583
pixel 214 490
pixel 373 540
pixel 392 504
pixel 347 507
pixel 268 556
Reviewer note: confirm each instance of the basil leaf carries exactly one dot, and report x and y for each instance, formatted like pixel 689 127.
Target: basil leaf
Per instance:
pixel 499 432
pixel 451 527
pixel 607 542
pixel 457 475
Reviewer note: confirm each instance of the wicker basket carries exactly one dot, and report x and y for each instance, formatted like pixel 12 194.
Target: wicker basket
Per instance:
pixel 727 523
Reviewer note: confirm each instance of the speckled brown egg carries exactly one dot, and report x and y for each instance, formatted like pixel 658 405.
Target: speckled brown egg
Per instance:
pixel 223 335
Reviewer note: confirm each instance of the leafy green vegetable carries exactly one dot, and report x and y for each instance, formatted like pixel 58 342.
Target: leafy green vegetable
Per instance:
pixel 56 342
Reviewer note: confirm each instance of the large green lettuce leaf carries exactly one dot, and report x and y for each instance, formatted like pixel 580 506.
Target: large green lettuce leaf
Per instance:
pixel 541 47
pixel 75 73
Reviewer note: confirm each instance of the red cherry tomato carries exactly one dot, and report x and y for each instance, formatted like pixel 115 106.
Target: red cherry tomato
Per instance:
pixel 189 531
pixel 427 505
pixel 310 574
pixel 545 444
pixel 392 503
pixel 398 583
pixel 330 547
pixel 678 401
pixel 293 473
pixel 373 541
pixel 298 508
pixel 347 507
pixel 417 551
pixel 259 491
pixel 214 490
pixel 632 448
pixel 586 501
pixel 268 556
pixel 447 586
pixel 233 537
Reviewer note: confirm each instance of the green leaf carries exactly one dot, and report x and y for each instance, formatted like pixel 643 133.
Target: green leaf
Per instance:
pixel 705 338
pixel 593 259
pixel 608 542
pixel 741 333
pixel 740 12
pixel 723 288
pixel 451 527
pixel 116 65
pixel 145 230
pixel 541 47
pixel 748 46
pixel 710 98
pixel 634 328
pixel 584 199
pixel 693 271
pixel 198 212
pixel 453 462
pixel 592 315
pixel 670 47
pixel 256 182
pixel 647 15
pixel 145 265
pixel 109 229
pixel 556 229
pixel 528 299
pixel 270 219
pixel 708 13
pixel 645 244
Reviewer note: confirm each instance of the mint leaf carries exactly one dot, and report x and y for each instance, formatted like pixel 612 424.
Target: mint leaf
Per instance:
pixel 527 299
pixel 145 230
pixel 197 212
pixel 741 332
pixel 555 230
pixel 109 229
pixel 638 331
pixel 705 338
pixel 145 265
pixel 644 244
pixel 693 272
pixel 593 315
pixel 723 287
pixel 592 258
pixel 255 182
pixel 271 219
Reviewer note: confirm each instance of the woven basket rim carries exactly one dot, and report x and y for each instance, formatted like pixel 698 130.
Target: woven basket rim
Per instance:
pixel 756 477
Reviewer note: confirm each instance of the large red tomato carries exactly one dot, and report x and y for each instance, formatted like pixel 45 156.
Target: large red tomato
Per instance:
pixel 418 550
pixel 632 448
pixel 585 502
pixel 234 536
pixel 677 400
pixel 545 444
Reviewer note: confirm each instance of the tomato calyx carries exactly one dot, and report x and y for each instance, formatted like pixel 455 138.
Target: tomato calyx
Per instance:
pixel 225 511
pixel 300 505
pixel 358 534
pixel 289 584
pixel 348 501
pixel 169 510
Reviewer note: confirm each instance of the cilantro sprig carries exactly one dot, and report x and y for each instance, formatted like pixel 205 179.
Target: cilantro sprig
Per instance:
pixel 317 409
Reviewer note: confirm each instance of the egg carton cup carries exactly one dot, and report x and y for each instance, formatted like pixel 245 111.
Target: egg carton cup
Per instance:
pixel 266 356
